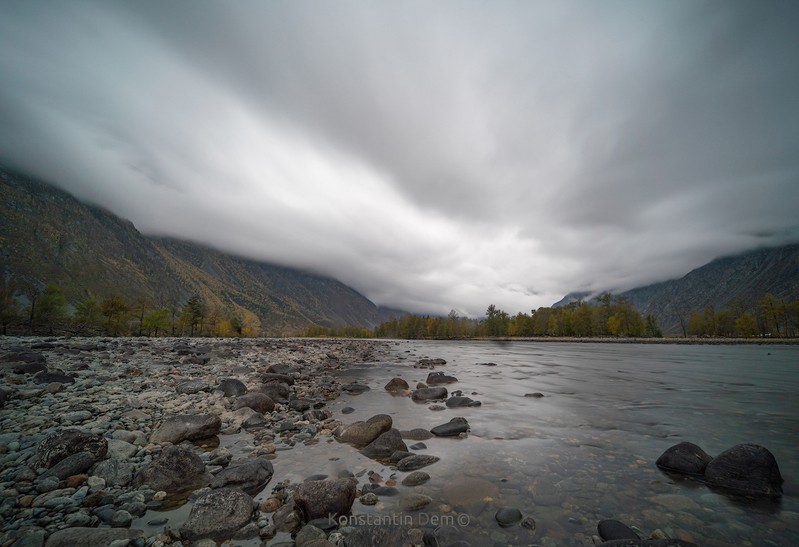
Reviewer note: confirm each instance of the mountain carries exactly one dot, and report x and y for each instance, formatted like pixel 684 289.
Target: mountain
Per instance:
pixel 48 236
pixel 731 282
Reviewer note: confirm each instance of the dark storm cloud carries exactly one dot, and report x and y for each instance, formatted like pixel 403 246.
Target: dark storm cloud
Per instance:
pixel 432 155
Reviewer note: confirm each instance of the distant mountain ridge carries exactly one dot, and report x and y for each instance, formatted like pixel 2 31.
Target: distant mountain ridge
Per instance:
pixel 734 281
pixel 48 236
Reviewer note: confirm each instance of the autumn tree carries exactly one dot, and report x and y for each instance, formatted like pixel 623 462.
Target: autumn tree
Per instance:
pixel 87 317
pixel 193 314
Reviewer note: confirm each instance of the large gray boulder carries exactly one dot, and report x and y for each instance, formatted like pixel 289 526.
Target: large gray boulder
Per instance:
pixel 177 469
pixel 218 514
pixel 62 444
pixel 746 469
pixel 331 497
pixel 186 427
pixel 256 400
pixel 385 445
pixel 363 433
pixel 429 394
pixel 250 475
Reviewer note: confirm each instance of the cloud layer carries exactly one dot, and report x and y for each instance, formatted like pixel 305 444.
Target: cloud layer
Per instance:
pixel 431 155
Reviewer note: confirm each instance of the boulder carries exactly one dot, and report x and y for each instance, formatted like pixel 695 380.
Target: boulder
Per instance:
pixel 279 368
pixel 74 464
pixel 250 475
pixel 193 386
pixel 439 378
pixel 272 377
pixel 416 461
pixel 277 391
pixel 385 445
pixel 114 472
pixel 613 529
pixel 396 384
pixel 746 469
pixel 453 428
pixel 330 497
pixel 218 514
pixel 45 377
pixel 363 433
pixel 186 427
pixel 177 469
pixel 61 444
pixel 232 387
pixel 460 401
pixel 429 394
pixel 685 458
pixel 507 516
pixel 256 400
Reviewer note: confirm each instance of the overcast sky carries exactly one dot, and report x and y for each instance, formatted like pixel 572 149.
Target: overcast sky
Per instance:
pixel 432 155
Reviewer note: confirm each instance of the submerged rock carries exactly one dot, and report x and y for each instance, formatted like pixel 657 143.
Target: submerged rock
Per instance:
pixel 747 469
pixel 218 514
pixel 429 394
pixel 331 497
pixel 177 469
pixel 613 529
pixel 251 475
pixel 385 445
pixel 438 378
pixel 363 433
pixel 396 384
pixel 685 458
pixel 453 428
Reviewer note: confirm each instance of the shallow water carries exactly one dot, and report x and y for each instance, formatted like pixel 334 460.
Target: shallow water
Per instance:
pixel 582 453
pixel 586 450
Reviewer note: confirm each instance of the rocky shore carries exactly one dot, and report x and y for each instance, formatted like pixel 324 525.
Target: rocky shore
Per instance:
pixel 99 438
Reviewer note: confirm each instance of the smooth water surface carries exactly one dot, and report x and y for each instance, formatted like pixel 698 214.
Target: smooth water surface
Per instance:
pixel 586 450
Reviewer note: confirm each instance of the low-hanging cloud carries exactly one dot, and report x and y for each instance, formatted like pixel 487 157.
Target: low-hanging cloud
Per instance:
pixel 434 156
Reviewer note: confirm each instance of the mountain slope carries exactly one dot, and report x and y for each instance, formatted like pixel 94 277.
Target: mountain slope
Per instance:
pixel 47 236
pixel 736 281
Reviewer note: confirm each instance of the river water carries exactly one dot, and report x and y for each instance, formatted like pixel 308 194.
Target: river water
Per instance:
pixel 586 450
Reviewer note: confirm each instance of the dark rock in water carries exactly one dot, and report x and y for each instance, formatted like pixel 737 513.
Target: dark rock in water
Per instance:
pixel 363 433
pixel 287 518
pixel 746 469
pixel 418 446
pixel 439 378
pixel 91 537
pixel 177 469
pixel 536 395
pixel 332 497
pixel 251 475
pixel 217 514
pixel 413 502
pixel 417 434
pixel 277 391
pixel 232 387
pixel 685 458
pixel 272 377
pixel 379 490
pixel 426 363
pixel 429 394
pixel 455 402
pixel 396 384
pixel 256 400
pixel 613 529
pixel 309 536
pixel 507 516
pixel 347 410
pixel 487 364
pixel 371 535
pixel 193 386
pixel 416 461
pixel 29 368
pixel 453 428
pixel 415 479
pixel 59 445
pixel 355 389
pixel 186 427
pixel 72 465
pixel 45 377
pixel 385 445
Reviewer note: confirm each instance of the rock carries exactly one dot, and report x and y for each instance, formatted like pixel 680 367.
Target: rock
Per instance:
pixel 308 534
pixel 121 450
pixel 453 428
pixel 232 387
pixel 331 497
pixel 279 368
pixel 416 478
pixel 613 529
pixel 458 401
pixel 685 458
pixel 177 469
pixel 413 502
pixel 28 368
pixel 299 405
pixel 72 465
pixel 3 397
pixel 507 516
pixel 45 377
pixel 370 498
pixel 347 410
pixel 439 378
pixel 61 444
pixel 186 427
pixel 121 519
pixel 417 434
pixel 217 514
pixel 91 537
pixel 277 391
pixel 536 395
pixel 355 389
pixel 429 394
pixel 396 384
pixel 256 400
pixel 287 518
pixel 251 475
pixel 428 363
pixel 416 461
pixel 193 386
pixel 363 433
pixel 746 469
pixel 272 377
pixel 114 472
pixel 385 445
pixel 371 535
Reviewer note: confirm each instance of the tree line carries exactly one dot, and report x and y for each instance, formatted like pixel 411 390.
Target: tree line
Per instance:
pixel 769 317
pixel 35 310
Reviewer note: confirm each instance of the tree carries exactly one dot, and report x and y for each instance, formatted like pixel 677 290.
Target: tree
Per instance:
pixel 115 311
pixel 746 325
pixel 87 317
pixel 9 310
pixel 773 313
pixel 51 311
pixel 193 313
pixel 652 328
pixel 155 321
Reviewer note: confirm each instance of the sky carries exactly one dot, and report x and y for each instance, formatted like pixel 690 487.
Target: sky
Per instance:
pixel 431 155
